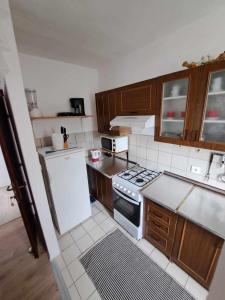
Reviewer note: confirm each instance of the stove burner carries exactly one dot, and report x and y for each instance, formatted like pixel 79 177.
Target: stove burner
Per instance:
pixel 126 174
pixel 139 180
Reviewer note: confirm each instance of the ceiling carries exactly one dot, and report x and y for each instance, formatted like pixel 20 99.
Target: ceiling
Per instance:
pixel 95 32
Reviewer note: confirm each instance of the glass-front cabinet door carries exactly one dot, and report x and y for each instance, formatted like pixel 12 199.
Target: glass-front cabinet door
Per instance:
pixel 213 121
pixel 173 109
pixel 174 95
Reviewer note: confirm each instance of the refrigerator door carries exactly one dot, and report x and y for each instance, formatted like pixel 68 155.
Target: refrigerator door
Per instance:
pixel 69 188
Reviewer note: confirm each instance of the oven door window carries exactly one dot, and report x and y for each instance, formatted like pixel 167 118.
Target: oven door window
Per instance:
pixel 127 209
pixel 107 143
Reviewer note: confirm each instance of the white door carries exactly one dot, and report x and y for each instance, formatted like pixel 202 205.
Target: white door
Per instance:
pixel 69 187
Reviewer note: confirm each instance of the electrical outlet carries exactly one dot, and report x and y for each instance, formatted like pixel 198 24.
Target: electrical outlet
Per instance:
pixel 196 170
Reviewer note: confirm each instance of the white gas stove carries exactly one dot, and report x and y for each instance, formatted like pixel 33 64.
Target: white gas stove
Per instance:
pixel 127 199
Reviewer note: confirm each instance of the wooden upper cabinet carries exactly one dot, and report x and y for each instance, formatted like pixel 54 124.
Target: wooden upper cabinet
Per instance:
pixel 103 115
pixel 210 121
pixel 176 96
pixel 196 251
pixel 136 100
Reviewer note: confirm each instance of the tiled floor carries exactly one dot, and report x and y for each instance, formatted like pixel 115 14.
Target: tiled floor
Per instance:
pixel 78 240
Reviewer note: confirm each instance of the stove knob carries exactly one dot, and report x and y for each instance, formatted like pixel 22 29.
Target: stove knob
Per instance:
pixel 121 186
pixel 117 185
pixel 124 189
pixel 133 194
pixel 129 191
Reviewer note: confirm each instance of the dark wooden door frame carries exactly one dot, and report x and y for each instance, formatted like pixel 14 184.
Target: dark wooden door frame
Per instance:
pixel 14 160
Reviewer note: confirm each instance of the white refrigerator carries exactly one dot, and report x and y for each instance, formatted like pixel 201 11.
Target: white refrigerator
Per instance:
pixel 66 182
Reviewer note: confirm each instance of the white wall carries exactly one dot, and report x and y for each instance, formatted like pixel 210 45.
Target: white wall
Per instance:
pixel 19 106
pixel 4 175
pixel 55 83
pixel 166 55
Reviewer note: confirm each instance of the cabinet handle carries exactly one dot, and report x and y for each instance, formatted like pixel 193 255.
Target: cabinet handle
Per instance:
pixel 157 214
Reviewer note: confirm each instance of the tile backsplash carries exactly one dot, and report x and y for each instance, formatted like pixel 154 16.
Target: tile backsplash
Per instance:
pixel 174 158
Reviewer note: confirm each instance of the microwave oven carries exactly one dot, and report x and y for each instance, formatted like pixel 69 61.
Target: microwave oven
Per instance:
pixel 114 144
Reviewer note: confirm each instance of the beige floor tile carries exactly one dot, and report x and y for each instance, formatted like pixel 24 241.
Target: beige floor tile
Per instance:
pixel 78 232
pixel 84 243
pixel 70 254
pixel 177 273
pixel 85 286
pixel 76 269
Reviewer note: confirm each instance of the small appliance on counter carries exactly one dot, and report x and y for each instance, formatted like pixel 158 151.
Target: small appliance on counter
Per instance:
pixel 78 105
pixel 95 155
pixel 114 144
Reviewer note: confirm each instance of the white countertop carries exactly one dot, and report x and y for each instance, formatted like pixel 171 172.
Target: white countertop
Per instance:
pixel 168 191
pixel 205 208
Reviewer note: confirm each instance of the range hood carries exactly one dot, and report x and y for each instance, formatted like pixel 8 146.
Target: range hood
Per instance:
pixel 141 122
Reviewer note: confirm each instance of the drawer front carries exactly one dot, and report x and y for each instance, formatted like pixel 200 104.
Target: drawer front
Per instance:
pixel 157 240
pixel 158 226
pixel 161 214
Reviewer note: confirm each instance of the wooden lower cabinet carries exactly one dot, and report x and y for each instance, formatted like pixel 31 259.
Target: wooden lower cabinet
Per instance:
pixel 100 187
pixel 193 248
pixel 196 250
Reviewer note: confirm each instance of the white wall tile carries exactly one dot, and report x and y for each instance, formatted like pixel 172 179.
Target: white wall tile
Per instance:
pixel 181 150
pixel 174 158
pixel 141 152
pixel 152 155
pixel 152 144
pixel 197 153
pixel 164 158
pixel 165 147
pixel 162 167
pixel 178 171
pixel 132 139
pixel 142 140
pixel 179 162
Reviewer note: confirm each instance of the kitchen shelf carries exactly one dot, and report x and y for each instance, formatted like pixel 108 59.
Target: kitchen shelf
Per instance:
pixel 215 121
pixel 61 117
pixel 176 97
pixel 216 93
pixel 172 120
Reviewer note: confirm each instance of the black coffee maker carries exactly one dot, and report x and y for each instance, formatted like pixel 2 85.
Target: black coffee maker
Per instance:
pixel 78 105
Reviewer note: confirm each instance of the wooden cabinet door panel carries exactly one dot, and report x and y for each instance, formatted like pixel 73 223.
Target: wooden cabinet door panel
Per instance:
pixel 136 100
pixel 100 112
pixel 196 250
pixel 92 181
pixel 107 192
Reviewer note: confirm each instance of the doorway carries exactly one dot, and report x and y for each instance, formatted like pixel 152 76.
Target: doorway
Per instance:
pixel 25 270
pixel 20 186
pixel 9 209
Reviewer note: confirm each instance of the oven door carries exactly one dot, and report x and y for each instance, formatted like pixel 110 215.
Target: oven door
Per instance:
pixel 107 143
pixel 128 207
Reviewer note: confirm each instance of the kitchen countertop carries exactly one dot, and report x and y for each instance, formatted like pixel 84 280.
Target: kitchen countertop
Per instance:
pixel 205 208
pixel 109 166
pixel 167 191
pixel 201 206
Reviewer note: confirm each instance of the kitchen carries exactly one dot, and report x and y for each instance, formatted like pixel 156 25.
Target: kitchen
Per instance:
pixel 168 190
pixel 134 159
